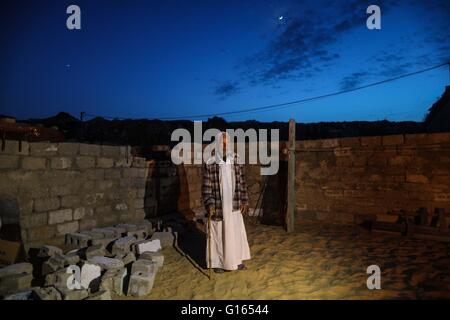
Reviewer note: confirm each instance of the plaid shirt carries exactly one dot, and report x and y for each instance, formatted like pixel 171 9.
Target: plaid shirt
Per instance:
pixel 211 188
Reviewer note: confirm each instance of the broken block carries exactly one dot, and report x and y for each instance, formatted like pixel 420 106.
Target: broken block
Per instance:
pixel 89 272
pixel 156 257
pixel 147 246
pixel 113 281
pixel 47 293
pixel 48 251
pixel 106 263
pixel 123 245
pixel 100 295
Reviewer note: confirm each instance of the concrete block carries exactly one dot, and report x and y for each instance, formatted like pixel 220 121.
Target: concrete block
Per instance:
pixel 60 163
pixel 53 264
pixel 15 283
pixel 95 250
pixel 105 163
pixel 32 163
pixel 68 227
pixel 140 233
pixel 107 233
pixel 127 226
pixel 68 149
pixel 58 278
pixel 46 204
pixel 22 295
pixel 14 147
pixel 141 283
pixel 128 258
pixel 60 216
pixel 89 272
pixel 123 245
pixel 143 265
pixel 118 232
pixel 167 238
pixel 68 294
pixel 90 149
pixel 48 251
pixel 43 149
pixel 47 293
pixel 113 281
pixel 104 241
pixel 93 235
pixel 84 162
pixel 79 240
pixel 100 295
pixel 16 269
pixel 9 162
pixel 70 201
pixel 121 207
pixel 106 263
pixel 155 257
pixel 147 246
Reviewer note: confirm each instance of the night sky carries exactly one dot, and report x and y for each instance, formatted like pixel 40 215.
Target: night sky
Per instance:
pixel 164 58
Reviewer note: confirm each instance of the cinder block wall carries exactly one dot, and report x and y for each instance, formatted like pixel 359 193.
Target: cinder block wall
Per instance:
pixel 69 187
pixel 347 180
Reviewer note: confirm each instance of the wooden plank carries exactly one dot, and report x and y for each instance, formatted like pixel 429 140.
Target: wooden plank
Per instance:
pixel 290 212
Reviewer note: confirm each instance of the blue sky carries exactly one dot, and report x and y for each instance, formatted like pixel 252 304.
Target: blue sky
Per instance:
pixel 152 59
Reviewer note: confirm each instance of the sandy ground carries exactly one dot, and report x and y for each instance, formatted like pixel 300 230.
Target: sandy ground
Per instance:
pixel 315 262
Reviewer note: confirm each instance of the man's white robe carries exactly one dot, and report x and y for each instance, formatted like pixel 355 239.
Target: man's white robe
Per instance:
pixel 229 245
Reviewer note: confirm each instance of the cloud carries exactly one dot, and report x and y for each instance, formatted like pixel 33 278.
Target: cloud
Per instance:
pixel 226 89
pixel 353 80
pixel 305 45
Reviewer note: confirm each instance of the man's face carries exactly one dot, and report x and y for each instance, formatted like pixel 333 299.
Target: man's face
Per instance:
pixel 224 142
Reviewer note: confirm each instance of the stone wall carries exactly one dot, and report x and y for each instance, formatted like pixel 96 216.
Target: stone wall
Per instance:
pixel 348 180
pixel 53 189
pixel 351 179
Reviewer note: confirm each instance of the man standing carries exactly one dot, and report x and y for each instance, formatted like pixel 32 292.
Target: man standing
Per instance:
pixel 226 200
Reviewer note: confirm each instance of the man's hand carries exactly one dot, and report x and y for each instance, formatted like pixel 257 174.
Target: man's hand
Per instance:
pixel 244 208
pixel 211 211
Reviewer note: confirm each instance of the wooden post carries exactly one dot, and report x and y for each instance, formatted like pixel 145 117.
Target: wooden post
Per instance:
pixel 290 212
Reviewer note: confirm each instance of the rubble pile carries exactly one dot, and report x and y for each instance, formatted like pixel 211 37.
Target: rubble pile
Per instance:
pixel 102 262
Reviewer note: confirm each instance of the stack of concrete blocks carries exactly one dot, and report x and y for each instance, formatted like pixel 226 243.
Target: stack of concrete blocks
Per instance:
pixel 96 269
pixel 62 188
pixel 15 278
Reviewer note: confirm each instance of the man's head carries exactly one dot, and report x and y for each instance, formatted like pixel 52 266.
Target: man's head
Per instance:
pixel 223 140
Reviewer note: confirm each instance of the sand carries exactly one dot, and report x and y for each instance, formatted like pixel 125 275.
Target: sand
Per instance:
pixel 317 261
